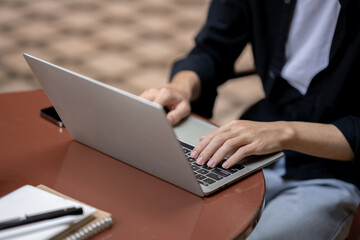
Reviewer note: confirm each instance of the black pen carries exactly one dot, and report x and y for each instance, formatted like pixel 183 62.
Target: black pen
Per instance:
pixel 40 217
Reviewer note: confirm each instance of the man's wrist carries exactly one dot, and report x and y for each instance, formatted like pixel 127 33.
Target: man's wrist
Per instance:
pixel 189 83
pixel 288 134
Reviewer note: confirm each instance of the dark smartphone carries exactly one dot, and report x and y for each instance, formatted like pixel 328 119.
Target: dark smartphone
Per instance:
pixel 51 115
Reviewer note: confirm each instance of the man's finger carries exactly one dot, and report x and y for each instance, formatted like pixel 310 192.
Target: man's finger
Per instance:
pixel 179 112
pixel 149 94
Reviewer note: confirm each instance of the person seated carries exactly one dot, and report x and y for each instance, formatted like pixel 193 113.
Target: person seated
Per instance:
pixel 307 54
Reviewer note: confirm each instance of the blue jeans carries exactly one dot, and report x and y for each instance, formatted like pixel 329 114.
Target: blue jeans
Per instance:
pixel 311 209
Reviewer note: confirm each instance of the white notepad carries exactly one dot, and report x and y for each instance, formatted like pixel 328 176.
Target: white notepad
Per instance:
pixel 29 200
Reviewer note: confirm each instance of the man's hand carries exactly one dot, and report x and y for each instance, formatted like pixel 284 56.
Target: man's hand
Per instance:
pixel 176 96
pixel 247 138
pixel 244 137
pixel 172 98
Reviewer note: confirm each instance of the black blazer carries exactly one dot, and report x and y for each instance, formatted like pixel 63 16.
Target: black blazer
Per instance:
pixel 333 95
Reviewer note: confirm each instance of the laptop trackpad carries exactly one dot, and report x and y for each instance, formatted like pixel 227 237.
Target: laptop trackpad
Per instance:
pixel 191 129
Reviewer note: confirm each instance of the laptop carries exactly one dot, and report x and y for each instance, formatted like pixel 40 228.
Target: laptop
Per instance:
pixel 135 130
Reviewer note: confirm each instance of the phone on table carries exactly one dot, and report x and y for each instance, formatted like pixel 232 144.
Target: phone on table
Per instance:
pixel 51 115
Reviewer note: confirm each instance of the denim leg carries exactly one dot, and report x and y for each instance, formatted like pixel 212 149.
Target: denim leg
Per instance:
pixel 311 209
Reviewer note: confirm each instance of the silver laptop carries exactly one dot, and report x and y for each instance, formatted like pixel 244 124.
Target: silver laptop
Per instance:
pixel 135 131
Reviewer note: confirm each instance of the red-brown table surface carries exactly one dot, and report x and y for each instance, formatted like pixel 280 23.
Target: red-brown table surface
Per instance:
pixel 34 151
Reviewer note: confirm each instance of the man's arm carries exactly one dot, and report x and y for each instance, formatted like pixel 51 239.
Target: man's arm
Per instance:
pixel 321 140
pixel 256 138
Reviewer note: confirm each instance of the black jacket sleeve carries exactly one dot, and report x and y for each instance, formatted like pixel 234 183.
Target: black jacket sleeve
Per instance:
pixel 350 127
pixel 217 46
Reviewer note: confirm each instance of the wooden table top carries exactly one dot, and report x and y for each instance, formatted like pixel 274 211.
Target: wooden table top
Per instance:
pixel 34 151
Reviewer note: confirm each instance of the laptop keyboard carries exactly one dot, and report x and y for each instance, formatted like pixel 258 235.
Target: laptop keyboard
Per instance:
pixel 206 175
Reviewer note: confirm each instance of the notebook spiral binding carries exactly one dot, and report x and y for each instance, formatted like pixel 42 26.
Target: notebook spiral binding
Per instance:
pixel 91 230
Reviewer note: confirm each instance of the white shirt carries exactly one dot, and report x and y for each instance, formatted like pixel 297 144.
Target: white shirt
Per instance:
pixel 308 46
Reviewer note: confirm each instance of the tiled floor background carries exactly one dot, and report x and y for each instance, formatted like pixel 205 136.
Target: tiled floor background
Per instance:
pixel 129 44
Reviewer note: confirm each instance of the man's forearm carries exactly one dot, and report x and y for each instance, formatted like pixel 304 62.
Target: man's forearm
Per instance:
pixel 321 140
pixel 189 82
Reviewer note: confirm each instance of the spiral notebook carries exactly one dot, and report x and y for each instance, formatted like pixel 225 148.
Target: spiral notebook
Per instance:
pixel 29 199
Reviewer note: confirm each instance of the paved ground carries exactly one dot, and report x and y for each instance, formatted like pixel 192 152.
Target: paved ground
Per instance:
pixel 129 44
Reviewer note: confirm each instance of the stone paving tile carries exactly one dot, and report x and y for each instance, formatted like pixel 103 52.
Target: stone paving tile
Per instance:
pixel 147 78
pixel 112 64
pixel 235 97
pixel 34 33
pixel 16 84
pixel 245 61
pixel 8 15
pixel 72 47
pixel 156 52
pixel 115 36
pixel 79 23
pixel 5 44
pixel 121 9
pixel 15 65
